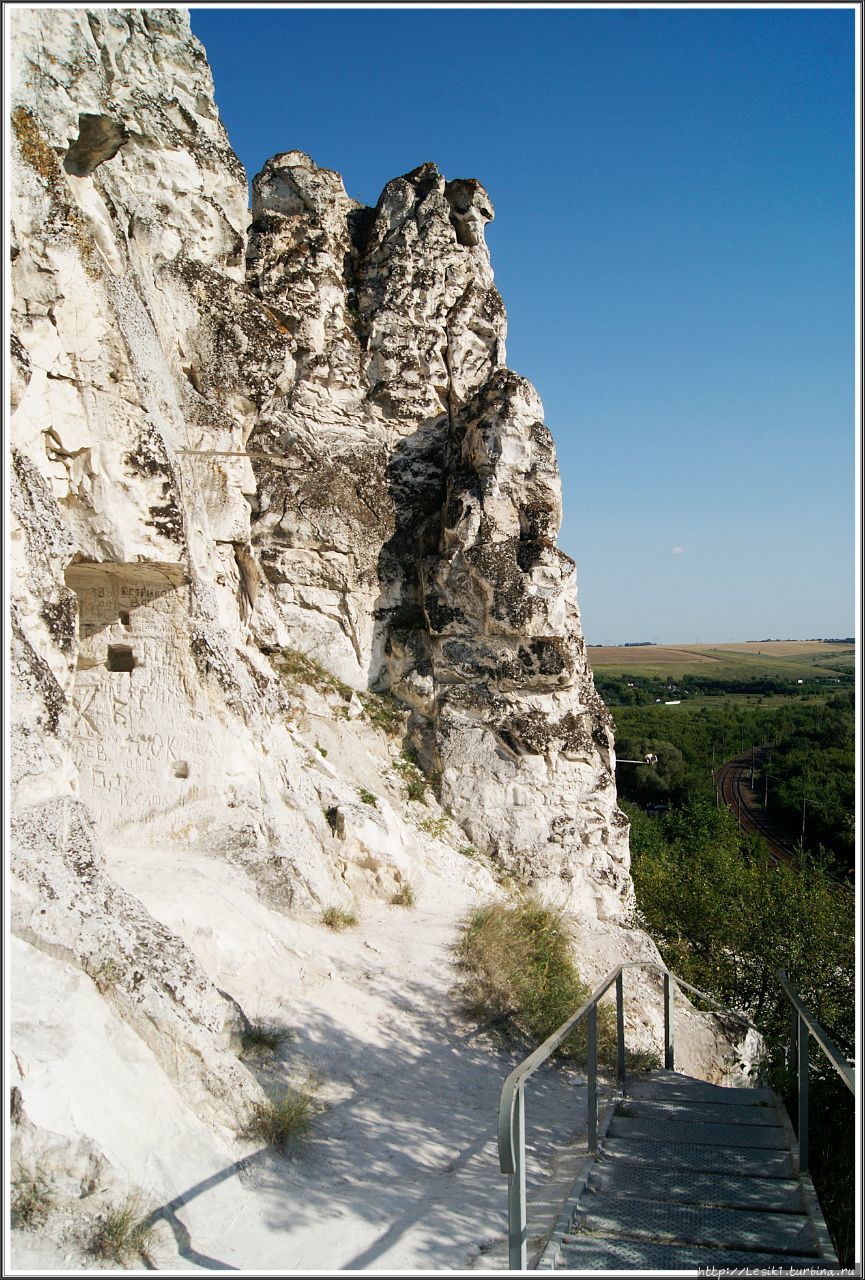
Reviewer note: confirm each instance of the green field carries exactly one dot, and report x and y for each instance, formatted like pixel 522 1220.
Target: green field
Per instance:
pixel 787 660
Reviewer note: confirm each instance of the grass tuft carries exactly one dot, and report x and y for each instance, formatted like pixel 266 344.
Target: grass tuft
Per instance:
pixel 107 975
pixel 123 1234
pixel 282 1122
pixel 262 1037
pixel 32 1201
pixel 434 826
pixel 384 712
pixel 404 896
pixel 366 796
pixel 417 790
pixel 637 1060
pixel 519 972
pixel 412 775
pixel 298 668
pixel 335 918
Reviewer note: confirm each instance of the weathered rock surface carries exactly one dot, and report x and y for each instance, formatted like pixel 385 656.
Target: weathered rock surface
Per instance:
pixel 236 441
pixel 407 510
pixel 352 399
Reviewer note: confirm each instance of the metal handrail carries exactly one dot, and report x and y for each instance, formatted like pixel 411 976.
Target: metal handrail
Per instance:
pixel 511 1129
pixel 802 1021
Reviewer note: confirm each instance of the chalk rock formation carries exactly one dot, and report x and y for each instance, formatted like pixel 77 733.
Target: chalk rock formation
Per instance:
pixel 278 510
pixel 225 448
pixel 408 502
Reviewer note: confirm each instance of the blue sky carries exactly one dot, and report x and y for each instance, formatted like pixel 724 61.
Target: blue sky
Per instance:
pixel 674 237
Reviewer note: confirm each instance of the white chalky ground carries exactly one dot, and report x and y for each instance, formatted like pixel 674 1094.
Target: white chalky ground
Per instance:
pixel 400 1171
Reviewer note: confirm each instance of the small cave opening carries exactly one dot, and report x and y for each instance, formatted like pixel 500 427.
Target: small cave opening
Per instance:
pixel 121 658
pixel 124 618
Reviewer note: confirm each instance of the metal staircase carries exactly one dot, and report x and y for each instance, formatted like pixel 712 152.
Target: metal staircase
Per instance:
pixel 692 1175
pixel 682 1174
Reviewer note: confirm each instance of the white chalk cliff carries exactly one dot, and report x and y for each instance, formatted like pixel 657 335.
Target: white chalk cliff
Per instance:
pixel 236 439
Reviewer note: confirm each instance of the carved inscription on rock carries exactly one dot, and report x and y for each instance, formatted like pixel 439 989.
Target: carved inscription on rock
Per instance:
pixel 140 741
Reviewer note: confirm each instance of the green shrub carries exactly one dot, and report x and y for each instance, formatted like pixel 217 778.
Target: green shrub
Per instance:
pixel 726 918
pixel 366 796
pixel 32 1201
pixel 410 772
pixel 519 971
pixel 281 1122
pixel 404 896
pixel 122 1233
pixel 335 918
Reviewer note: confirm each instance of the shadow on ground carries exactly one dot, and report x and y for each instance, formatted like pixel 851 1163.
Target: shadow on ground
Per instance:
pixel 401 1170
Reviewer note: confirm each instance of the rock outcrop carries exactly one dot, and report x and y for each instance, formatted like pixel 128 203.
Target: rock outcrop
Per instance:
pixel 407 508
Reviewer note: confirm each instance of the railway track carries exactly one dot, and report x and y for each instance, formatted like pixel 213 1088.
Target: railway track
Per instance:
pixel 731 782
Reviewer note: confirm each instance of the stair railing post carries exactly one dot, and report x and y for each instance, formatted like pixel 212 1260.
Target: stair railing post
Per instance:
pixel 620 1029
pixel 592 1101
pixel 517 1258
pixel 802 1062
pixel 668 1022
pixel 793 1055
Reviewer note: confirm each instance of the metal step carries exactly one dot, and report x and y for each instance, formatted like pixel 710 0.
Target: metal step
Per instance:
pixel 669 1086
pixel 704 1112
pixel 726 1135
pixel 624 1217
pixel 685 1186
pixel 750 1161
pixel 594 1253
pixel 691 1175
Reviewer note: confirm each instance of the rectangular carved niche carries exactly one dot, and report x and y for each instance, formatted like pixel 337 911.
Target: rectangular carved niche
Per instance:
pixel 130 737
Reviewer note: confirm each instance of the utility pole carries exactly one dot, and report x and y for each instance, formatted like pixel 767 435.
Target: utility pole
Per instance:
pixel 752 766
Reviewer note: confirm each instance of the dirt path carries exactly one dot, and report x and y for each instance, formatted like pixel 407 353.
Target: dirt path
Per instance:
pixel 401 1170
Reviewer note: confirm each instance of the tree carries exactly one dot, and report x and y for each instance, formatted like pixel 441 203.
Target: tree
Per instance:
pixel 726 918
pixel 658 783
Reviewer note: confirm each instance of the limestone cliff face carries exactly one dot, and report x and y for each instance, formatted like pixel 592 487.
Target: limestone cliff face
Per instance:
pixel 234 438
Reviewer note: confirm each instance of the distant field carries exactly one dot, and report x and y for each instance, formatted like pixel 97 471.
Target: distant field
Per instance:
pixel 797 658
